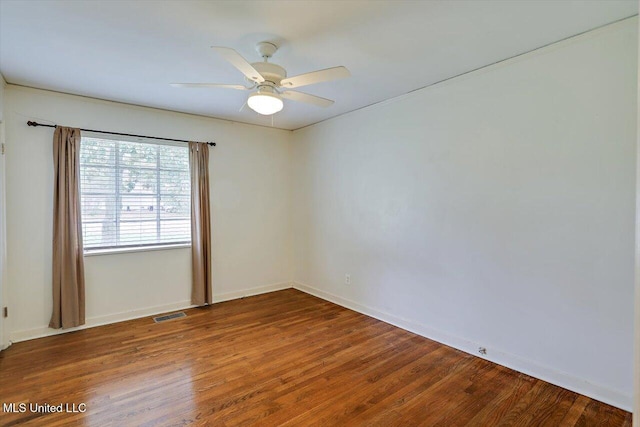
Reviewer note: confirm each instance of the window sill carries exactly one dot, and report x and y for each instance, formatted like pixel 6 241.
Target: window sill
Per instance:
pixel 94 252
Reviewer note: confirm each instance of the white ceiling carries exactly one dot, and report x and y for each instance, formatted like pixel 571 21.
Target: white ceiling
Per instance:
pixel 129 51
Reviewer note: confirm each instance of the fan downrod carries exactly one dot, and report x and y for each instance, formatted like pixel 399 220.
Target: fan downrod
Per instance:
pixel 266 49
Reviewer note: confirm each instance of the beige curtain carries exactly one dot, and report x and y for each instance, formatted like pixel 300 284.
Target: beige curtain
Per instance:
pixel 200 224
pixel 68 262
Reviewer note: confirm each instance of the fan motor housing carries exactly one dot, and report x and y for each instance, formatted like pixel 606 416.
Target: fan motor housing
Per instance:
pixel 272 73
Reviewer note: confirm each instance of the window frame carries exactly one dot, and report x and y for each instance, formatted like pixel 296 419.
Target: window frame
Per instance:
pixel 138 247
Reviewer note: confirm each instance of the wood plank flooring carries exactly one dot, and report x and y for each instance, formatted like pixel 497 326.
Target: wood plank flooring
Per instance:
pixel 283 358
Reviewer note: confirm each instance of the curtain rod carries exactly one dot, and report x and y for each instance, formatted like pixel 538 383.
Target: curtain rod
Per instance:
pixel 31 123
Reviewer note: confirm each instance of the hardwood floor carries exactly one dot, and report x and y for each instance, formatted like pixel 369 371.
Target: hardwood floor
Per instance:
pixel 283 358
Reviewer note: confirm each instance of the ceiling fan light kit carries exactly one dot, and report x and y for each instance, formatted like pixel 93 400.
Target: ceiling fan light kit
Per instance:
pixel 271 80
pixel 266 101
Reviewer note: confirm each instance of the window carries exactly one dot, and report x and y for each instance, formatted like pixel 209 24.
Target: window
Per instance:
pixel 134 194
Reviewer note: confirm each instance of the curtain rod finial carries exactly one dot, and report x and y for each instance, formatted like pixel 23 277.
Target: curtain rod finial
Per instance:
pixel 30 123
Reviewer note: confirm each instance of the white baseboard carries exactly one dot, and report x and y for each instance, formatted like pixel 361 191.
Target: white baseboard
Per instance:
pixel 92 322
pixel 550 375
pixel 252 291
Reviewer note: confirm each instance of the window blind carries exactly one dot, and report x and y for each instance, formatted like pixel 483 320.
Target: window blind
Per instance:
pixel 134 193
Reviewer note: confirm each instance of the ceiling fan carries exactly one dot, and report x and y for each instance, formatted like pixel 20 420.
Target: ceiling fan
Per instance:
pixel 271 80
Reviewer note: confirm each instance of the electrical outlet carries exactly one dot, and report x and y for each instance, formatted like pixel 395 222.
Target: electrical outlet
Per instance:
pixel 347 279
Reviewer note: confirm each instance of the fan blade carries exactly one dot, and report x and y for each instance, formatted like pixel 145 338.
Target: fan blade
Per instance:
pixel 329 74
pixel 198 85
pixel 239 62
pixel 305 97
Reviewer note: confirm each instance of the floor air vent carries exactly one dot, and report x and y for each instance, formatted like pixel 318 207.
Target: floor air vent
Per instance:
pixel 169 317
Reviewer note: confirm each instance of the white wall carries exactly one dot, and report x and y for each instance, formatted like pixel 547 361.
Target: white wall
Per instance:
pixel 250 191
pixel 4 331
pixel 636 399
pixel 495 210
